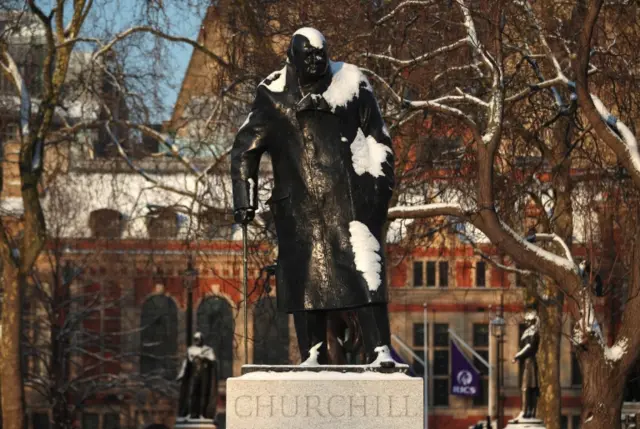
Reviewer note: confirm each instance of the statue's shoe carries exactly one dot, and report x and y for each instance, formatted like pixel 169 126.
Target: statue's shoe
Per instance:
pixel 384 358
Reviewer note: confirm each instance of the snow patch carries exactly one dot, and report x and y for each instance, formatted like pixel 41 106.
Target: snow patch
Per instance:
pixel 246 121
pixel 367 254
pixel 368 155
pixel 549 256
pixel 617 351
pixel 324 375
pixel 627 137
pixel 344 139
pixel 345 84
pixel 425 207
pixel 276 80
pixel 384 355
pixel 252 187
pixel 312 360
pixel 315 37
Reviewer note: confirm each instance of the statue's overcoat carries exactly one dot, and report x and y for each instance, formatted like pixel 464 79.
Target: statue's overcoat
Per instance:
pixel 333 177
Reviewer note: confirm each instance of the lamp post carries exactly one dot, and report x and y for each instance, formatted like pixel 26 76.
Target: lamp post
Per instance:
pixel 497 325
pixel 190 280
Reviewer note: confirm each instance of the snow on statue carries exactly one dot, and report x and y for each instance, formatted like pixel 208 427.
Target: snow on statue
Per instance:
pixel 333 177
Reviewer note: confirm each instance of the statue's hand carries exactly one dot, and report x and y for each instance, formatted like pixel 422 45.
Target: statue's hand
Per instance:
pixel 244 216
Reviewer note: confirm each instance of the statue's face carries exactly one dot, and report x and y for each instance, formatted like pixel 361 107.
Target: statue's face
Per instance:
pixel 311 62
pixel 197 340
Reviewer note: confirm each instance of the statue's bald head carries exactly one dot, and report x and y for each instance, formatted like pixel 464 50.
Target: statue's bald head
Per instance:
pixel 308 54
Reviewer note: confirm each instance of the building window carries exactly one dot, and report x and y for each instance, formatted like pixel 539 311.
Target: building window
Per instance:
pixel 270 333
pixel 576 374
pixel 481 274
pixel 481 346
pixel 215 322
pixel 162 222
pixel 40 421
pixel 575 421
pixel 431 274
pixel 102 327
pixel 418 348
pixel 111 421
pixel 418 279
pixel 418 334
pixel 90 421
pixel 444 273
pixel 441 335
pixel 418 368
pixel 159 324
pixel 441 367
pixel 564 422
pixel 106 223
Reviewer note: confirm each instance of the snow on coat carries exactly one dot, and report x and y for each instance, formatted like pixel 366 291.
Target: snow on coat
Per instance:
pixel 333 177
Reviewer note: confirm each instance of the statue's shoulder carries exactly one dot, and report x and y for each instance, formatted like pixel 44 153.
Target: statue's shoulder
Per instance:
pixel 347 82
pixel 276 82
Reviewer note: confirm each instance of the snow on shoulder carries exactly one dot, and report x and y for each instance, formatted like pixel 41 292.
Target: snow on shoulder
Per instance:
pixel 367 254
pixel 315 37
pixel 345 84
pixel 276 81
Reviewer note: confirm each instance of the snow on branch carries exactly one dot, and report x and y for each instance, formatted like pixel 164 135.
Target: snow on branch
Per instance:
pixel 10 68
pixel 501 266
pixel 622 132
pixel 554 238
pixel 473 36
pixel 401 6
pixel 559 261
pixel 426 210
pixel 420 58
pixel 543 40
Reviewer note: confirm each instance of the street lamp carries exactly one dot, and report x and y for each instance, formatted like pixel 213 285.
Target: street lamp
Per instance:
pixel 498 326
pixel 190 277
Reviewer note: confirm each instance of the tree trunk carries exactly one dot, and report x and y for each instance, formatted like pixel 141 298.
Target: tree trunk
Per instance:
pixel 548 357
pixel 602 391
pixel 13 408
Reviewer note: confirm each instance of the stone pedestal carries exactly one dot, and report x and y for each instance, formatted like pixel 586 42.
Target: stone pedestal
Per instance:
pixel 324 397
pixel 522 423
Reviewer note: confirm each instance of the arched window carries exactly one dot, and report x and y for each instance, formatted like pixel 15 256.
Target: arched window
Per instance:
pixel 215 321
pixel 158 348
pixel 270 334
pixel 162 222
pixel 106 223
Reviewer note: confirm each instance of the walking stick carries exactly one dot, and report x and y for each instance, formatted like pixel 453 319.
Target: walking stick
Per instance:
pixel 245 263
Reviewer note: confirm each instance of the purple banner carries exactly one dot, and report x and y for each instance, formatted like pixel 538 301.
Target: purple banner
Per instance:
pixel 465 379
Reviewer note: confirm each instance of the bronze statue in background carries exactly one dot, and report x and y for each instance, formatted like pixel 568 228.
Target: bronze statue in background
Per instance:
pixel 199 383
pixel 529 343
